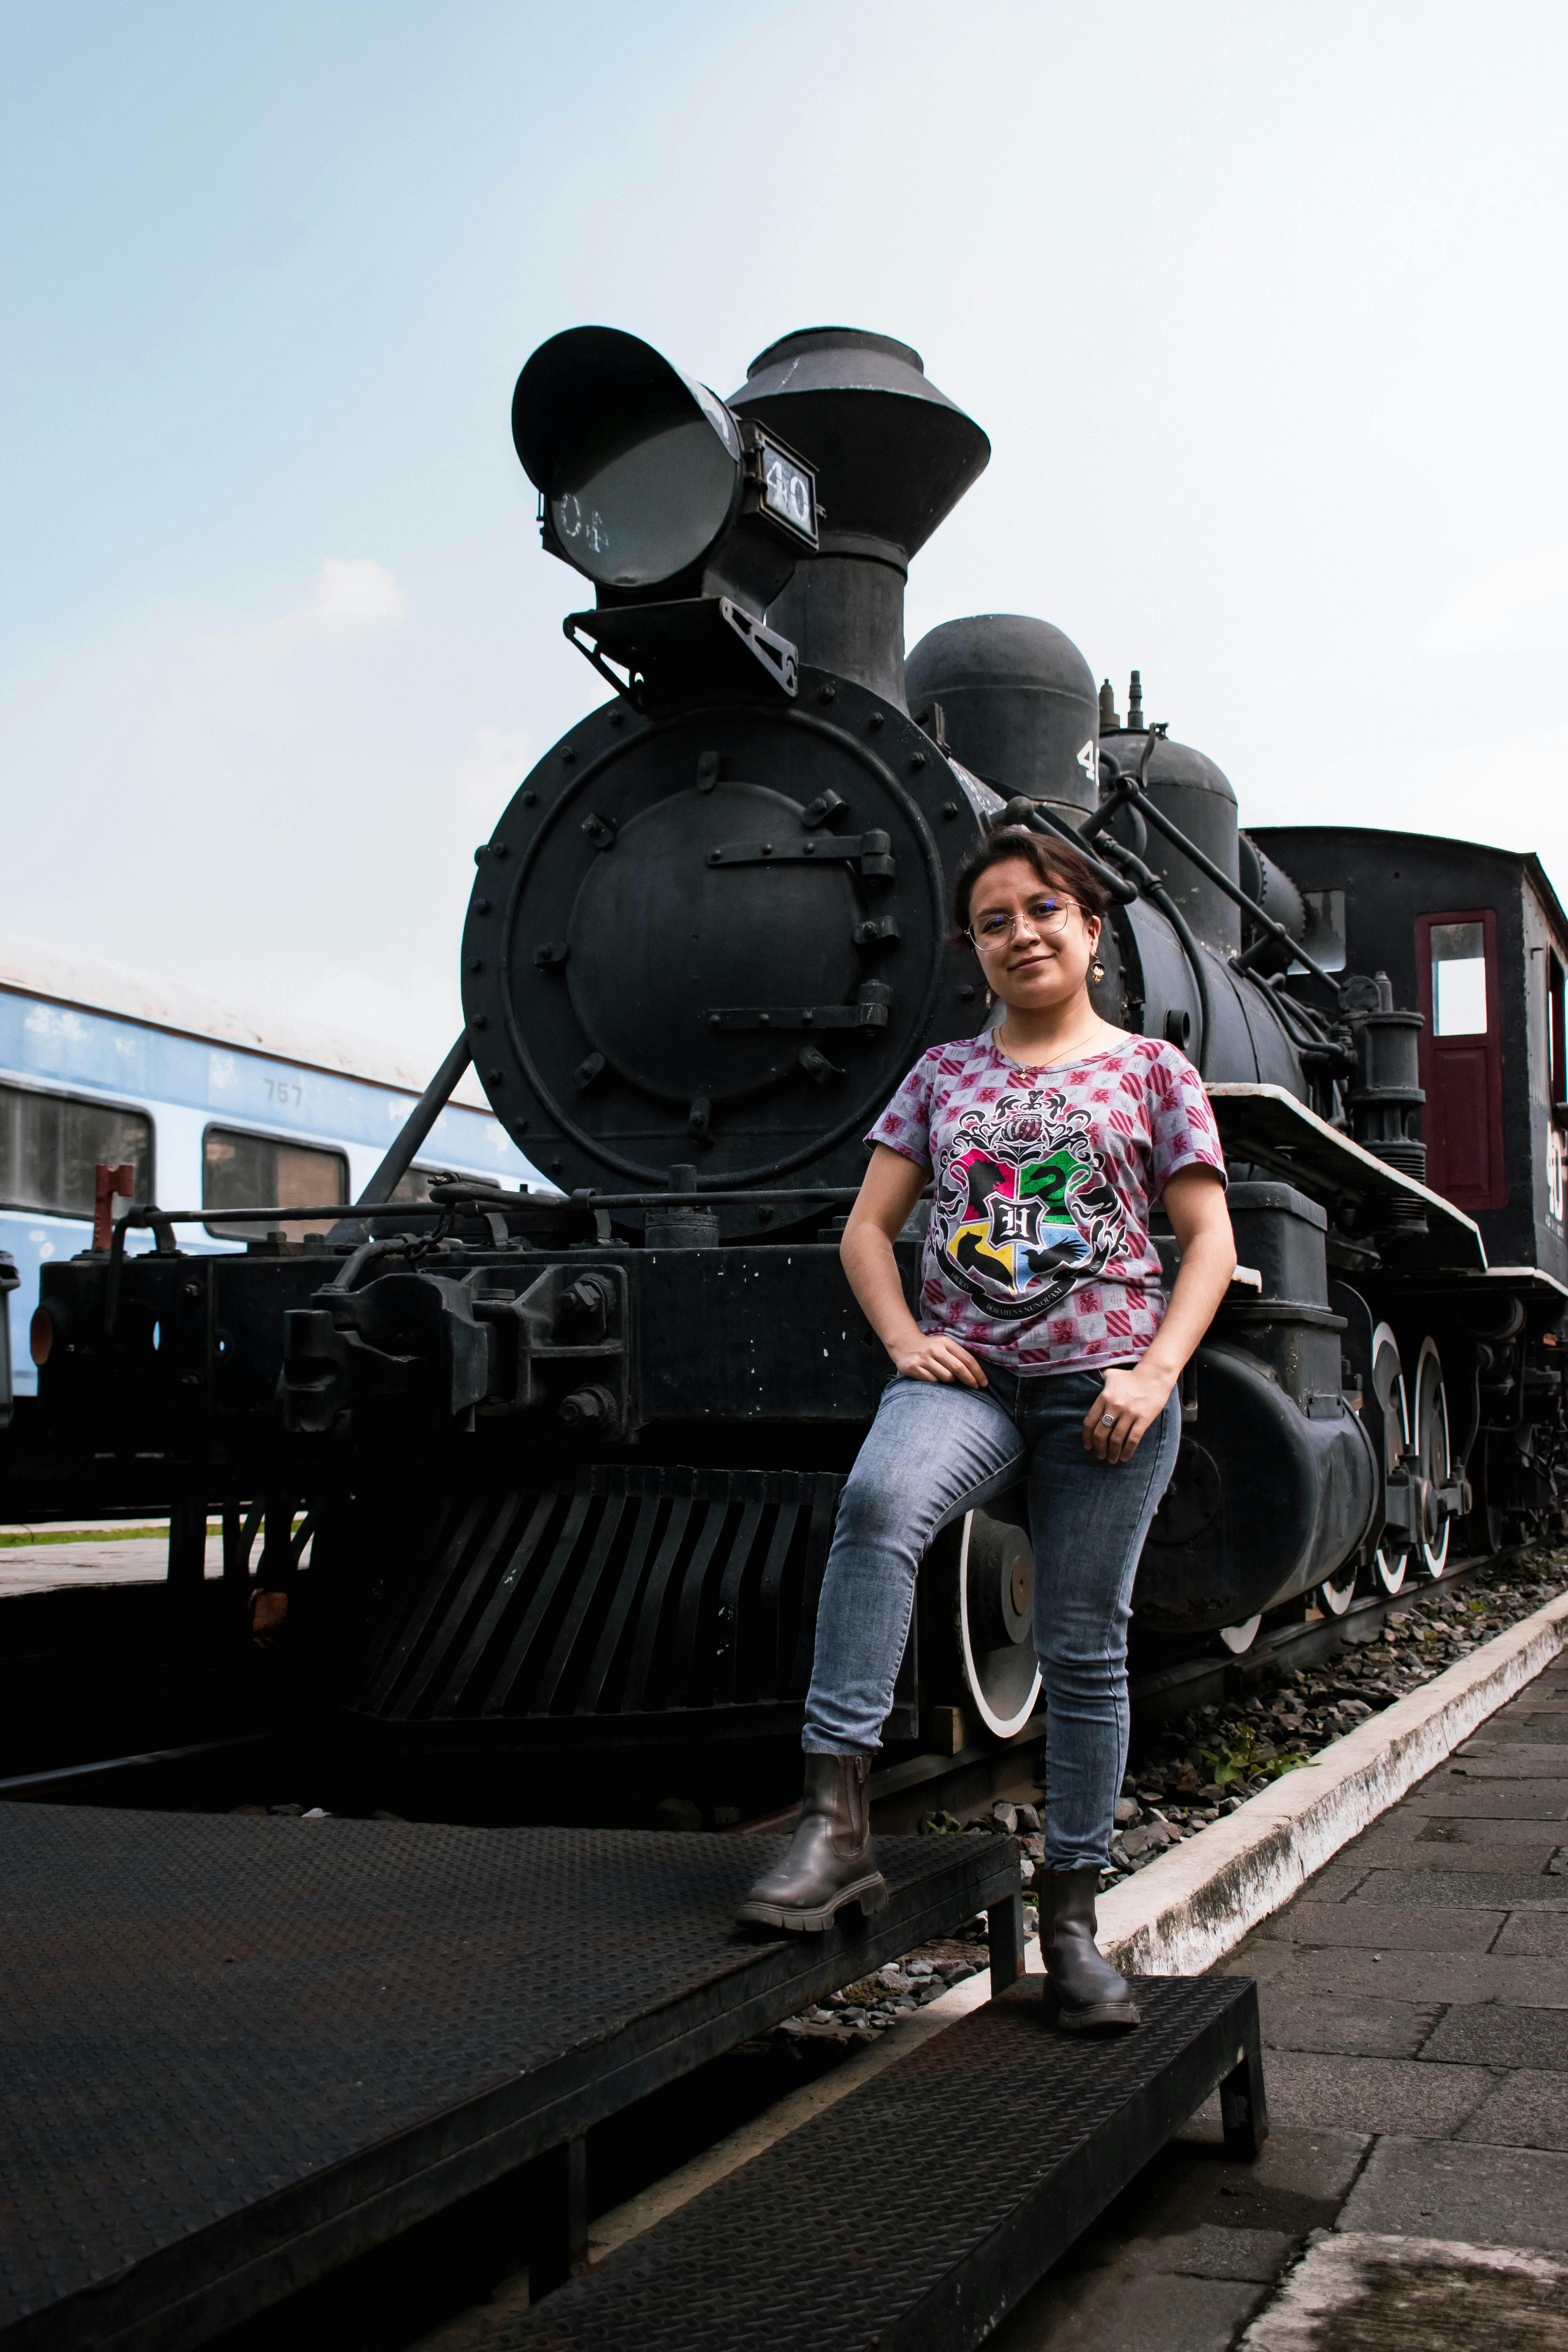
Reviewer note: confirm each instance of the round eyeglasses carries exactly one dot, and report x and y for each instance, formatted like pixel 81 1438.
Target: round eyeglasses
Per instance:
pixel 1046 915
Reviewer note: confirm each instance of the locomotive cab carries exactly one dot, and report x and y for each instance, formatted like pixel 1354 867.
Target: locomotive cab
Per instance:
pixel 1476 940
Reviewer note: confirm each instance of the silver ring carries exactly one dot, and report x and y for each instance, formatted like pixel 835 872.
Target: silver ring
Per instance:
pixel 1108 1421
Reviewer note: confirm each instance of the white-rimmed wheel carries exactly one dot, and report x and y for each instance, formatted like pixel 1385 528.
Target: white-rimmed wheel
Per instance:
pixel 1336 1592
pixel 1431 1449
pixel 1239 1639
pixel 1389 1563
pixel 996 1610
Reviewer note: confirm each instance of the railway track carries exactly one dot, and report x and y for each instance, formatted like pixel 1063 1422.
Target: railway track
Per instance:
pixel 1163 1691
pixel 902 1794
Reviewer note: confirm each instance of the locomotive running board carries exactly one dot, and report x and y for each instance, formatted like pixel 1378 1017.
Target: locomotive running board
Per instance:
pixel 1267 1125
pixel 917 2211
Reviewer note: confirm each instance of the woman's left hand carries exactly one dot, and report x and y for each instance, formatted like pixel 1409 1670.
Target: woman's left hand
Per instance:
pixel 1133 1396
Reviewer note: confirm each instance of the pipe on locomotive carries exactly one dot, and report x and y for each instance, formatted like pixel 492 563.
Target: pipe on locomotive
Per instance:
pixel 1129 790
pixel 1142 883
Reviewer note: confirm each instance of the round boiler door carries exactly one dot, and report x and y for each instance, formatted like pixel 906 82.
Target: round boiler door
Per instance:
pixel 693 972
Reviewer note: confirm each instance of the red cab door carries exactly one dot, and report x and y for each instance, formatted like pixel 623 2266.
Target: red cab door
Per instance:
pixel 1461 1056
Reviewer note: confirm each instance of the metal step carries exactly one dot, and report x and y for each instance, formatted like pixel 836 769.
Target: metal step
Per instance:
pixel 912 2216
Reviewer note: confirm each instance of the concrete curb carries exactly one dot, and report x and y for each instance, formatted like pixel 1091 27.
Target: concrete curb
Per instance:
pixel 1197 1902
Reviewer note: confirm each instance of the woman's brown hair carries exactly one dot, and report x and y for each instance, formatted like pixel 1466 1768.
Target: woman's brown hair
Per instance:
pixel 1058 864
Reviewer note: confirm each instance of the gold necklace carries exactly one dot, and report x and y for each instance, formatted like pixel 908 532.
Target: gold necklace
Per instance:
pixel 1065 1056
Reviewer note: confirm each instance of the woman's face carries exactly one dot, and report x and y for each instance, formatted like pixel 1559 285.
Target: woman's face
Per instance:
pixel 1035 944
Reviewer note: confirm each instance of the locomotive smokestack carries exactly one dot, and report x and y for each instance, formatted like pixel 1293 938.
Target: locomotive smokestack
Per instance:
pixel 1135 702
pixel 892 455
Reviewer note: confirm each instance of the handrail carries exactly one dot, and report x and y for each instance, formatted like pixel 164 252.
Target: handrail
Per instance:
pixel 1128 791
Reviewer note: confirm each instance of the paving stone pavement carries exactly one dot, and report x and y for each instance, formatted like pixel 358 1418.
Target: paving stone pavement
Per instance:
pixel 1414 2002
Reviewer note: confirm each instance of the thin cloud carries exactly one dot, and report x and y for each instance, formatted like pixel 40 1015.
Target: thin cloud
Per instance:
pixel 356 595
pixel 1522 605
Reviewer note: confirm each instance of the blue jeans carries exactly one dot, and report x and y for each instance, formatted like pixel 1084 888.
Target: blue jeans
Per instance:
pixel 934 1452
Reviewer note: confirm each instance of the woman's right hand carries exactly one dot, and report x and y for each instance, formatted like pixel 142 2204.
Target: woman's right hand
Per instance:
pixel 926 1356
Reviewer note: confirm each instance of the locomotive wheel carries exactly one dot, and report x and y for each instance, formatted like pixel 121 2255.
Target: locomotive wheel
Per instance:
pixel 1432 1445
pixel 1388 1566
pixel 994 1605
pixel 1239 1639
pixel 1388 1570
pixel 1336 1592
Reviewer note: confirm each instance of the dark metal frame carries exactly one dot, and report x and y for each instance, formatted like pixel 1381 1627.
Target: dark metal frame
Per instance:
pixel 218 2275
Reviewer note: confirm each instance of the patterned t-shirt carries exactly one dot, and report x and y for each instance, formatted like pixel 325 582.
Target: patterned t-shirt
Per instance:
pixel 1037 1252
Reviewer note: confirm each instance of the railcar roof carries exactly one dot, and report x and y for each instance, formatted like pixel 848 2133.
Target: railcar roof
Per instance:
pixel 90 984
pixel 1526 859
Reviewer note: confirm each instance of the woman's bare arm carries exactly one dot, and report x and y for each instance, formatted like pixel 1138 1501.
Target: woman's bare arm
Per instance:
pixel 888 1191
pixel 1135 1395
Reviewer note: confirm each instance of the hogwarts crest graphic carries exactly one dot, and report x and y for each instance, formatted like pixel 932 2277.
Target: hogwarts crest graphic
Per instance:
pixel 1022 1211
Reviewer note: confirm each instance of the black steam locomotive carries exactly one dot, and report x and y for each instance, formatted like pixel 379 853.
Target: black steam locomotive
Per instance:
pixel 570 1458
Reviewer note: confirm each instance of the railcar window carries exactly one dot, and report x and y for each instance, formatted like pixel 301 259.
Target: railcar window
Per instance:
pixel 415 1185
pixel 241 1170
pixel 1459 980
pixel 1557 1032
pixel 50 1144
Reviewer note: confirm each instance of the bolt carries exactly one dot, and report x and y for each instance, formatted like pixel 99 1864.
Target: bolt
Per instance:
pixel 587 1408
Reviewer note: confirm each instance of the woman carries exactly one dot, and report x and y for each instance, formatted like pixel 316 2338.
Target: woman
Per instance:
pixel 1043 1349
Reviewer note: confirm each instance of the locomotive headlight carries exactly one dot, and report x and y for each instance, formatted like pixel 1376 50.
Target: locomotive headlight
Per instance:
pixel 643 474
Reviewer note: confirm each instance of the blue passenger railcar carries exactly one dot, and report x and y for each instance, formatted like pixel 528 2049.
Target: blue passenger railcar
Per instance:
pixel 209 1109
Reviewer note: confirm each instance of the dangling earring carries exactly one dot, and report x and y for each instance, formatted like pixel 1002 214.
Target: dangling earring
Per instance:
pixel 989 1000
pixel 1096 970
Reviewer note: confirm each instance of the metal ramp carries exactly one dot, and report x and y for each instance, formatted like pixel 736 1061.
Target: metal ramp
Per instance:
pixel 236 2052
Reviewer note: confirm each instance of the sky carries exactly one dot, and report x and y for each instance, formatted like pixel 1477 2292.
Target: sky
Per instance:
pixel 1261 308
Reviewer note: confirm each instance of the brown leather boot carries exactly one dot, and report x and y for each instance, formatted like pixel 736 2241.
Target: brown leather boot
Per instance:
pixel 1091 1997
pixel 831 1859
